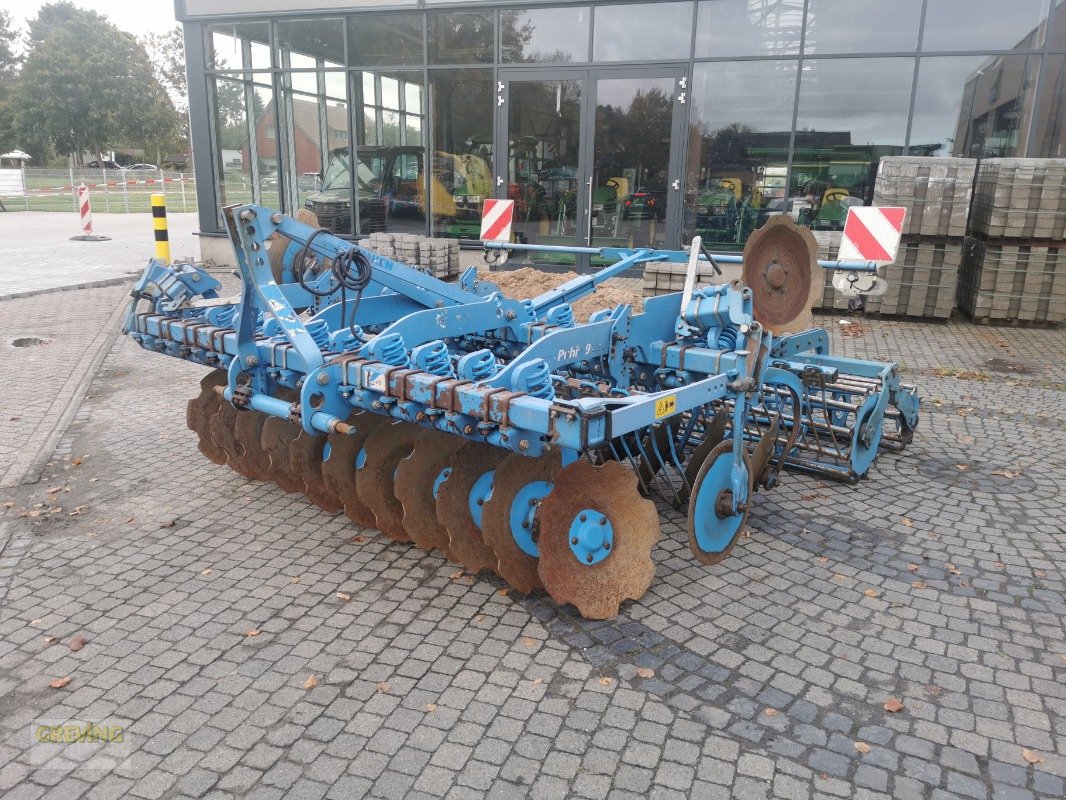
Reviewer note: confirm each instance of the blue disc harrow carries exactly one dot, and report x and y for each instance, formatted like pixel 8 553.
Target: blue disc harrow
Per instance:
pixel 502 431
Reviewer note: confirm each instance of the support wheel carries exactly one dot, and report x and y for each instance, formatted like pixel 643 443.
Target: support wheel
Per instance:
pixel 713 527
pixel 418 481
pixel 385 447
pixel 340 466
pixel 596 537
pixel 509 524
pixel 461 500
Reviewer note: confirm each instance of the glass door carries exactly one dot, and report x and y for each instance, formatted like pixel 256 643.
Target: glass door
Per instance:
pixel 635 170
pixel 593 157
pixel 542 117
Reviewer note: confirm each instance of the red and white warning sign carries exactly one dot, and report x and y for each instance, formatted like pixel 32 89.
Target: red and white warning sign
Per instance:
pixel 496 219
pixel 872 233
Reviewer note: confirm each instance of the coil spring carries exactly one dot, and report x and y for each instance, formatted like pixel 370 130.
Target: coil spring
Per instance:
pixel 345 340
pixel 534 379
pixel 727 337
pixel 222 316
pixel 477 366
pixel 434 358
pixel 563 316
pixel 319 331
pixel 390 350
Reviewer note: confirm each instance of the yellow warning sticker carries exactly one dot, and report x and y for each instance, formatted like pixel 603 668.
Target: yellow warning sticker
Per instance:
pixel 666 406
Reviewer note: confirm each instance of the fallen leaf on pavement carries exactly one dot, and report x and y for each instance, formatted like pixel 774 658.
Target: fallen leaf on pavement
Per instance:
pixel 431 707
pixel 384 686
pixel 862 747
pixel 892 705
pixel 644 672
pixel 343 596
pixel 207 571
pixel 78 642
pixel 770 712
pixel 311 682
pixel 908 522
pixel 170 523
pixel 606 681
pixel 920 585
pixel 1031 757
pixel 35 622
pixel 502 592
pixel 358 539
pixel 529 641
pixel 538 681
pixel 962 467
pixel 252 632
pixel 59 683
pixel 871 592
pixel 912 567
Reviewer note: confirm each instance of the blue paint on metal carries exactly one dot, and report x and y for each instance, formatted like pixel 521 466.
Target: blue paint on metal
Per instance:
pixel 442 476
pixel 480 493
pixel 327 451
pixel 360 459
pixel 713 530
pixel 523 511
pixel 591 537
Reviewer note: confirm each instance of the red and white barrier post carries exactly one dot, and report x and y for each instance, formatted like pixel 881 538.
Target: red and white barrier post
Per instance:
pixel 86 213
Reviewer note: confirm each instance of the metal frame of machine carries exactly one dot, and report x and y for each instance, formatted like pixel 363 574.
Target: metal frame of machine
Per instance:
pixel 503 431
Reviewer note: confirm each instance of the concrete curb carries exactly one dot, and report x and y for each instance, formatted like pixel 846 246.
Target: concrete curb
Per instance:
pixel 88 285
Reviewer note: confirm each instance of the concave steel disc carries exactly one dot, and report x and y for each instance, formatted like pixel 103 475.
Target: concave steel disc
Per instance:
pixel 712 436
pixel 470 478
pixel 305 461
pixel 417 479
pixel 711 532
pixel 201 409
pixel 278 244
pixel 275 439
pixel 339 470
pixel 626 570
pixel 221 429
pixel 519 486
pixel 248 431
pixel 385 447
pixel 780 261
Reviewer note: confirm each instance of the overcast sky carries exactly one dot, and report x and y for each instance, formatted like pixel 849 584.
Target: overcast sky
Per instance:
pixel 138 17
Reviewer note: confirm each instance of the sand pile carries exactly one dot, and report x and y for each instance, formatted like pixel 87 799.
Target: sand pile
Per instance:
pixel 527 282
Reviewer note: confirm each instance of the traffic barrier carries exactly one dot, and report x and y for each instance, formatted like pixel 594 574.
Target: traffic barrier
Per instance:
pixel 85 212
pixel 159 223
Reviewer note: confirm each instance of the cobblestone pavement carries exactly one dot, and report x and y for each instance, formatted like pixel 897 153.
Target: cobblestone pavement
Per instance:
pixel 39 255
pixel 376 670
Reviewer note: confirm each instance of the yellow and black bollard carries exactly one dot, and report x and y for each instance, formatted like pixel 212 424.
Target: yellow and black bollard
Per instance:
pixel 159 222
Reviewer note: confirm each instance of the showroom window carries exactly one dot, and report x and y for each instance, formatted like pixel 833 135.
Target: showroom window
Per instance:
pixel 545 35
pixel 983 24
pixel 862 26
pixel 736 163
pixel 642 32
pixel 728 28
pixel 461 37
pixel 385 39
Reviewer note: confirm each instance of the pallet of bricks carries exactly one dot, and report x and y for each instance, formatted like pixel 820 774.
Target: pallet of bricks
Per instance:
pixel 438 257
pixel 923 279
pixel 662 278
pixel 1014 269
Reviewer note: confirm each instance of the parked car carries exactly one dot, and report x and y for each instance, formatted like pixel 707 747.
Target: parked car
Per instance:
pixel 142 168
pixel 105 164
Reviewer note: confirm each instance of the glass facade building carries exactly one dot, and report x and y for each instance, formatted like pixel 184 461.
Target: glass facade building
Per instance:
pixel 612 123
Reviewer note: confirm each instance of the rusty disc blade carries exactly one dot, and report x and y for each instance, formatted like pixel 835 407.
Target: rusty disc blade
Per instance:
pixel 780 261
pixel 760 456
pixel 305 462
pixel 275 438
pixel 385 447
pixel 248 431
pixel 721 531
pixel 222 429
pixel 416 484
pixel 470 463
pixel 597 590
pixel 339 469
pixel 712 437
pixel 201 409
pixel 516 491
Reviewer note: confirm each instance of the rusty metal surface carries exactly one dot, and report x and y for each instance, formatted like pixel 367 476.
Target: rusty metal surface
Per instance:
pixel 415 477
pixel 465 542
pixel 514 565
pixel 597 591
pixel 385 447
pixel 780 262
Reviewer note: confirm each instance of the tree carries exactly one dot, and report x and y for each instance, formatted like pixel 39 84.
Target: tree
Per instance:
pixel 167 54
pixel 9 62
pixel 86 84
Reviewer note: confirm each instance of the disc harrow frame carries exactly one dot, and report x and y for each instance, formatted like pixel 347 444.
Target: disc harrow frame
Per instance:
pixel 326 341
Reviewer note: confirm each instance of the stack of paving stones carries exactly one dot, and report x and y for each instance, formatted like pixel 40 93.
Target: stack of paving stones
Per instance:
pixel 661 278
pixel 922 282
pixel 1014 269
pixel 437 257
